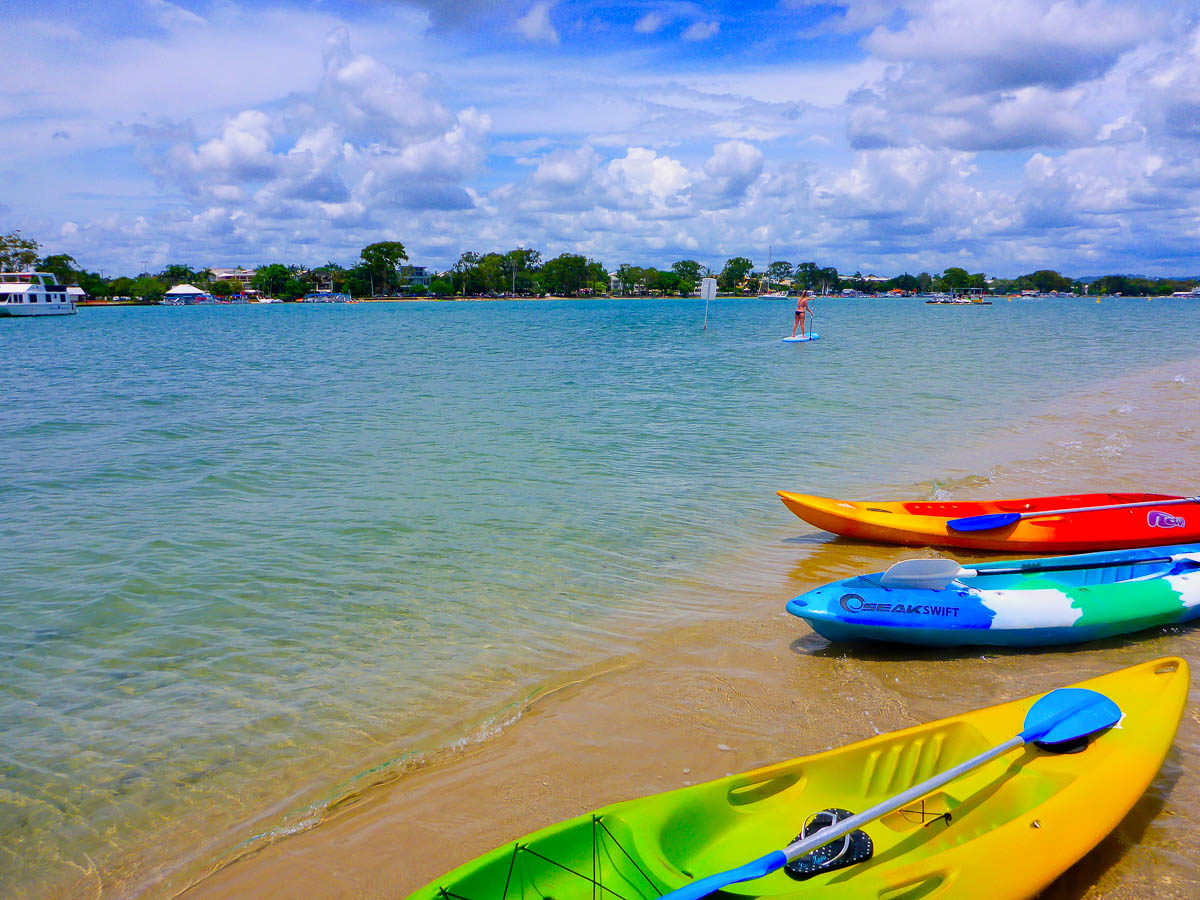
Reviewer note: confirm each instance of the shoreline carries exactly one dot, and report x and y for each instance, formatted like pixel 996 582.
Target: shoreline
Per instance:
pixel 748 685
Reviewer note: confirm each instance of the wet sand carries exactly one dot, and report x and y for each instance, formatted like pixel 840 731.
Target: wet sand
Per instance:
pixel 750 685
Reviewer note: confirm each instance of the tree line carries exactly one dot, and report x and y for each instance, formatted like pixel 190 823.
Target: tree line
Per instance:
pixel 382 269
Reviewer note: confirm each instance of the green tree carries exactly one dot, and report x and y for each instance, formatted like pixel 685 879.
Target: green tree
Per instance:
pixel 669 282
pixel 466 270
pixel 493 273
pixel 382 260
pixel 180 274
pixel 17 251
pixel 956 279
pixel 1047 280
pixel 735 272
pixel 148 289
pixel 441 287
pixel 121 287
pixel 687 270
pixel 568 274
pixel 63 267
pixel 294 288
pixel 224 288
pixel 807 275
pixel 779 271
pixel 94 285
pixel 521 264
pixel 269 280
pixel 903 282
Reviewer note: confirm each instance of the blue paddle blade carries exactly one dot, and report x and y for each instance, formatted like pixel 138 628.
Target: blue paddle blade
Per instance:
pixel 764 865
pixel 983 523
pixel 1068 714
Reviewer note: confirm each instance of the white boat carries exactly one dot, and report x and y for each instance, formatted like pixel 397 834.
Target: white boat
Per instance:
pixel 766 293
pixel 326 297
pixel 187 295
pixel 33 294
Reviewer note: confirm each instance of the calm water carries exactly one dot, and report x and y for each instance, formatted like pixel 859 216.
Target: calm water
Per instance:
pixel 249 552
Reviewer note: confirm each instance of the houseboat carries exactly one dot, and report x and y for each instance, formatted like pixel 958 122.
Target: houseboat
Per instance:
pixel 33 294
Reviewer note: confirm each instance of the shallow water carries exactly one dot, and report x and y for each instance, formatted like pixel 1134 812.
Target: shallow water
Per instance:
pixel 251 552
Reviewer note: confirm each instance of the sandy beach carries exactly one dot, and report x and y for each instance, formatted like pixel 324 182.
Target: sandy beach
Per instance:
pixel 751 685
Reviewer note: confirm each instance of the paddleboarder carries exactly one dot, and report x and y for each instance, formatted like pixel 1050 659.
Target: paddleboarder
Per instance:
pixel 802 303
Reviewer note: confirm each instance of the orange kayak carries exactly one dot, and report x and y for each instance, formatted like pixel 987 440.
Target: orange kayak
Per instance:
pixel 923 523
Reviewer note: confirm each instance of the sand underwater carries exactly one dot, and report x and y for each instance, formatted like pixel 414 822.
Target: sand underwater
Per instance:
pixel 750 685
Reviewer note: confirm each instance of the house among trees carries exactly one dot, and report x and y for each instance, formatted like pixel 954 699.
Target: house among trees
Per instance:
pixel 243 277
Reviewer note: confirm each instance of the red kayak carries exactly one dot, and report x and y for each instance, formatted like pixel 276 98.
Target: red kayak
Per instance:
pixel 1067 524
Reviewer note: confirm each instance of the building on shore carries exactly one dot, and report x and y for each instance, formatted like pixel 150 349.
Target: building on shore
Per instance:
pixel 241 276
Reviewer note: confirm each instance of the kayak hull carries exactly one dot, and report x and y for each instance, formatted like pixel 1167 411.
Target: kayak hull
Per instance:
pixel 1102 595
pixel 924 523
pixel 1042 808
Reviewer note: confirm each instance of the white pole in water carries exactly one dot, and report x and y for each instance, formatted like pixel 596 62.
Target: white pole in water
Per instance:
pixel 708 290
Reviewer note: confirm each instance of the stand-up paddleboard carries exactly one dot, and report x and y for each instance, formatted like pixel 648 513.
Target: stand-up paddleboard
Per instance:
pixel 800 339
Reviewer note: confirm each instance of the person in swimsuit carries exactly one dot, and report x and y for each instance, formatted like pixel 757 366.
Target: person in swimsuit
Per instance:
pixel 801 308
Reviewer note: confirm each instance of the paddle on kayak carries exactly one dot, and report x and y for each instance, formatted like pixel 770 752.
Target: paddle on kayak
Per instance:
pixel 1000 520
pixel 1063 715
pixel 936 574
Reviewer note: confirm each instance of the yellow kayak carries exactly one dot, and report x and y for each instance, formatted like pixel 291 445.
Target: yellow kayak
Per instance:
pixel 1003 830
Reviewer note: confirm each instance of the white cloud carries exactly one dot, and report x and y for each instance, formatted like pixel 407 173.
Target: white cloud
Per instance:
pixel 1000 46
pixel 732 168
pixel 1056 131
pixel 701 31
pixel 536 26
pixel 243 152
pixel 566 170
pixel 649 23
pixel 642 171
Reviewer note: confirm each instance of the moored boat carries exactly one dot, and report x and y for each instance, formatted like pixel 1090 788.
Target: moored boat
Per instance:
pixel 1027 603
pixel 34 294
pixel 1040 524
pixel 1043 808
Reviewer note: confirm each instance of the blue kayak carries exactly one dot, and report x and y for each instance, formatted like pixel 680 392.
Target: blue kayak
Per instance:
pixel 1056 600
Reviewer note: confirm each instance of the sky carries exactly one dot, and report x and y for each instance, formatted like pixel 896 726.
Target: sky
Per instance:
pixel 873 136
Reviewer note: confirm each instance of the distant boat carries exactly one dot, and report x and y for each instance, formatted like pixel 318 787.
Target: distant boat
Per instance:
pixel 326 297
pixel 33 294
pixel 187 295
pixel 766 293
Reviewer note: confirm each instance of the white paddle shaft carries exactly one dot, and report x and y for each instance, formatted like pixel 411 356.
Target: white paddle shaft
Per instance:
pixel 917 791
pixel 1063 512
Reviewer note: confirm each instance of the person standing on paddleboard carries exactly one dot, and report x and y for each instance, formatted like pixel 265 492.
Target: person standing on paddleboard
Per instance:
pixel 801 308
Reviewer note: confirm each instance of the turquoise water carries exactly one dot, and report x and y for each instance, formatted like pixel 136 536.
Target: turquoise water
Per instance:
pixel 249 552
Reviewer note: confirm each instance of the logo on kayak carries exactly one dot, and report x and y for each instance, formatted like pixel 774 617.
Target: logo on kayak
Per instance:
pixel 854 603
pixel 1157 519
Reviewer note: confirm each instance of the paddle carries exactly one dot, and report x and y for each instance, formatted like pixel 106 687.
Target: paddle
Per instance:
pixel 1066 714
pixel 999 520
pixel 935 574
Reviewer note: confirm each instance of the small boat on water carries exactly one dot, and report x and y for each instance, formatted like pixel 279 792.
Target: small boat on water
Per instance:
pixel 326 297
pixel 1074 523
pixel 34 294
pixel 1031 603
pixel 188 295
pixel 1005 825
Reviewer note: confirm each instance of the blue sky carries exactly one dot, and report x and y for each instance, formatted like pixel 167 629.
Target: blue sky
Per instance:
pixel 870 135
